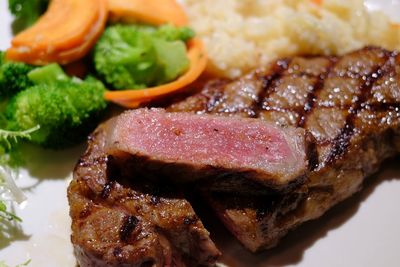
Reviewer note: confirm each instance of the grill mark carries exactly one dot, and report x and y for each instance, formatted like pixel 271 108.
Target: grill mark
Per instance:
pixel 264 210
pixel 384 107
pixel 87 210
pixel 215 100
pixel 312 153
pixel 312 95
pixel 154 200
pixel 342 141
pixel 128 226
pixel 216 97
pixel 190 220
pixel 105 193
pixel 117 252
pixel 268 81
pixel 374 107
pixel 351 75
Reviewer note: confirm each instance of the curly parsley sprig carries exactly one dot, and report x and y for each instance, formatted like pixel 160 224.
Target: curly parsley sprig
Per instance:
pixel 8 138
pixel 7 185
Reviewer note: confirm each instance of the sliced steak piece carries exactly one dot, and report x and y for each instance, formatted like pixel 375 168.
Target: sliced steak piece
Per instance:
pixel 351 104
pixel 126 221
pixel 186 147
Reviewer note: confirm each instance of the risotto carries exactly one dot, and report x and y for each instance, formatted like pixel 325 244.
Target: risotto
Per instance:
pixel 241 35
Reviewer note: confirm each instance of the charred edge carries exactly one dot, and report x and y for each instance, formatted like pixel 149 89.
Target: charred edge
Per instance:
pixel 85 212
pixel 267 87
pixel 100 160
pixel 105 193
pixel 86 161
pixel 284 110
pixel 128 226
pixel 147 263
pixel 216 95
pixel 266 210
pixel 113 170
pixel 326 189
pixel 212 259
pixel 342 141
pixel 373 106
pixel 155 200
pixel 312 152
pixel 117 252
pixel 83 162
pixel 190 220
pixel 383 107
pixel 312 95
pixel 294 184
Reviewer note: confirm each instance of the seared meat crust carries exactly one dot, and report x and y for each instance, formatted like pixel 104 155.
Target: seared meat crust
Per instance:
pixel 351 106
pixel 120 220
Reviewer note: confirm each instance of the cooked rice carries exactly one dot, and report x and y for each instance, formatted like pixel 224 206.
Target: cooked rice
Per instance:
pixel 241 35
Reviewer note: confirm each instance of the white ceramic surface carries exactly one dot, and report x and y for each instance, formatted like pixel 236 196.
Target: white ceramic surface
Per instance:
pixel 363 231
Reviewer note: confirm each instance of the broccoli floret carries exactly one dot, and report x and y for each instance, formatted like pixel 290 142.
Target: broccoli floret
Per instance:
pixel 2 57
pixel 48 74
pixel 13 78
pixel 171 33
pixel 138 56
pixel 26 12
pixel 65 110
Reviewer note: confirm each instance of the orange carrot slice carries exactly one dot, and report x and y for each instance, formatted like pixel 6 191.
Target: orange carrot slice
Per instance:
pixel 318 2
pixel 133 98
pixel 65 33
pixel 155 12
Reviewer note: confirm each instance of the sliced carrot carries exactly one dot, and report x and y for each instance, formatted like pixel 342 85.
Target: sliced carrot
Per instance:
pixel 155 12
pixel 65 33
pixel 318 2
pixel 133 98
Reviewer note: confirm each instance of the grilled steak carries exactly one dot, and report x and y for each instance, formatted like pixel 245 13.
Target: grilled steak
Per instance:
pixel 351 106
pixel 186 147
pixel 121 220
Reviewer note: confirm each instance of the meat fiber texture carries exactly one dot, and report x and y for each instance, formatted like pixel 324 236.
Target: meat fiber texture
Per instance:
pixel 351 105
pixel 188 147
pixel 131 222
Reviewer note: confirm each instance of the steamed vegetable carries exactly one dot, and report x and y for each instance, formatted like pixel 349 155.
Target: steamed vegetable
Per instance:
pixel 65 110
pixel 154 12
pixel 2 57
pixel 47 74
pixel 13 78
pixel 9 138
pixel 9 192
pixel 65 33
pixel 137 56
pixel 133 98
pixel 26 12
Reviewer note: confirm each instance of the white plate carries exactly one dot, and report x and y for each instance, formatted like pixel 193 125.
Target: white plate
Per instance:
pixel 362 231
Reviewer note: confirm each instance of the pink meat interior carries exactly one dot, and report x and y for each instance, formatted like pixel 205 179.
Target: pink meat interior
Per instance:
pixel 202 139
